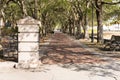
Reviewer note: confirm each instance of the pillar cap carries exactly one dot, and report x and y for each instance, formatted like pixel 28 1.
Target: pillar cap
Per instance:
pixel 28 21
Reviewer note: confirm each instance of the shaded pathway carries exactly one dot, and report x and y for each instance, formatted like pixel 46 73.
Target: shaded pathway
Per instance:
pixel 76 63
pixel 63 49
pixel 72 56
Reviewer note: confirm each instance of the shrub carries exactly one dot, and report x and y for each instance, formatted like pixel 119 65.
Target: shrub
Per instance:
pixel 6 31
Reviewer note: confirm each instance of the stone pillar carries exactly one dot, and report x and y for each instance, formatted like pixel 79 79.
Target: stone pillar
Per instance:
pixel 28 43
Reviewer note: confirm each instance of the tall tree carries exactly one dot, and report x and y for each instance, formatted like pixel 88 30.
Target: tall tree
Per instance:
pixel 99 5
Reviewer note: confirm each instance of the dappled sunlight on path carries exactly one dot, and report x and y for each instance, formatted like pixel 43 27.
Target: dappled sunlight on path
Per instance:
pixel 69 54
pixel 63 49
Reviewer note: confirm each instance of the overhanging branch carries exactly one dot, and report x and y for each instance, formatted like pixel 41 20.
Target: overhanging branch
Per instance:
pixel 111 3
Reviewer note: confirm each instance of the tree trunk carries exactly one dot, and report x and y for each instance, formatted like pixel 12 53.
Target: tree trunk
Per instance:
pixel 2 24
pixel 70 27
pixel 86 34
pixel 2 14
pixel 99 22
pixel 85 27
pixel 74 28
pixel 23 8
pixel 78 27
pixel 35 9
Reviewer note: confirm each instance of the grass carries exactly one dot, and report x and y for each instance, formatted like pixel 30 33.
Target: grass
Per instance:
pixel 94 45
pixel 99 48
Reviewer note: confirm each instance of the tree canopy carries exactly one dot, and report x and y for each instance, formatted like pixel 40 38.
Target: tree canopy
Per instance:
pixel 74 16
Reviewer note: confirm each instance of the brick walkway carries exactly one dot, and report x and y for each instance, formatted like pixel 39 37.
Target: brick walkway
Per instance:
pixel 63 49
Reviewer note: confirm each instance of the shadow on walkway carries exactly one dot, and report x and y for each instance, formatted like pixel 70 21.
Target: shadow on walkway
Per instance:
pixel 66 53
pixel 62 49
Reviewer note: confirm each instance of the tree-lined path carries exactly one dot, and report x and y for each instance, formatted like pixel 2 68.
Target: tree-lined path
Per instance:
pixel 69 59
pixel 64 49
pixel 76 63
